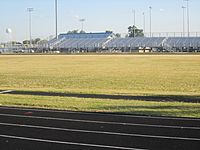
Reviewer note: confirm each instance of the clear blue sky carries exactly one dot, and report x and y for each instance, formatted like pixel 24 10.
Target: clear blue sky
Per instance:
pixel 100 15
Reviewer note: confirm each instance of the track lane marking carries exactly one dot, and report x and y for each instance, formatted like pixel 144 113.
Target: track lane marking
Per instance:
pixel 67 143
pixel 99 114
pixel 100 132
pixel 100 122
pixel 4 92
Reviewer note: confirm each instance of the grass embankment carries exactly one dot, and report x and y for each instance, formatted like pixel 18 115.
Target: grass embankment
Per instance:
pixel 113 75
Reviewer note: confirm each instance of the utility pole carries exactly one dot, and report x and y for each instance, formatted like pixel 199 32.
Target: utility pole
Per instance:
pixel 183 20
pixel 30 10
pixel 144 25
pixel 134 23
pixel 82 21
pixel 150 11
pixel 56 17
pixel 188 18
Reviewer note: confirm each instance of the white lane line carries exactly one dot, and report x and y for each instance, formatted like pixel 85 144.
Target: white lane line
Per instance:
pixel 100 122
pixel 68 143
pixel 4 92
pixel 100 132
pixel 100 114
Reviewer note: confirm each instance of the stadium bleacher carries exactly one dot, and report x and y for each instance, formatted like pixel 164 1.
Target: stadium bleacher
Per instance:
pixel 107 40
pixel 181 42
pixel 85 35
pixel 87 41
pixel 136 42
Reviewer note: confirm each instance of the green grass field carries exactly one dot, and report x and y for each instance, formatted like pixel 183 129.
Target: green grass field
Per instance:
pixel 157 75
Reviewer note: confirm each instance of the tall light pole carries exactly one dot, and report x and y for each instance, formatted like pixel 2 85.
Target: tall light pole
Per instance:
pixel 134 23
pixel 56 18
pixel 188 18
pixel 150 11
pixel 30 10
pixel 144 22
pixel 183 7
pixel 82 21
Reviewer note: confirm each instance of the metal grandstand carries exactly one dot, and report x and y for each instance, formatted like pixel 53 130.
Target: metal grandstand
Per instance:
pixel 80 41
pixel 136 42
pixel 107 41
pixel 182 43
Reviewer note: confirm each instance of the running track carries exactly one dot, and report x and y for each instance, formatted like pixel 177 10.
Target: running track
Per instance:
pixel 38 129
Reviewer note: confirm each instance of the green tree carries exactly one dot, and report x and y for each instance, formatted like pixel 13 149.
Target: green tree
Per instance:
pixel 118 35
pixel 73 32
pixel 43 41
pixel 82 31
pixel 26 42
pixel 35 41
pixel 109 31
pixel 133 31
pixel 13 42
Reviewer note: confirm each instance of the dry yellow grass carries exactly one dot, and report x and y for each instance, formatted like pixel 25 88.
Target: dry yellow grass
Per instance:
pixel 102 74
pixel 173 75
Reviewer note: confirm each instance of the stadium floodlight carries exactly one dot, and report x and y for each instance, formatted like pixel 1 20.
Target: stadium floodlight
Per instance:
pixel 82 21
pixel 144 23
pixel 134 23
pixel 188 18
pixel 183 7
pixel 56 18
pixel 30 10
pixel 150 11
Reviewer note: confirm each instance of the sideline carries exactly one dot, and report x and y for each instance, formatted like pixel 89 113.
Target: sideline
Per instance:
pixel 100 122
pixel 97 114
pixel 68 143
pixel 101 132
